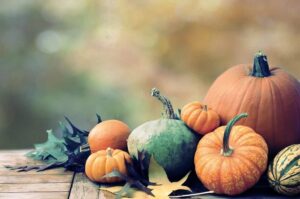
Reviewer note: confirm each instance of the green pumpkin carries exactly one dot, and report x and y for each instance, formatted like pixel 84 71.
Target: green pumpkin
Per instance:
pixel 284 171
pixel 169 140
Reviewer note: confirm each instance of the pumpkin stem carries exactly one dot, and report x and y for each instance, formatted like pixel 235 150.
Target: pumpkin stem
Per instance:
pixel 166 103
pixel 260 66
pixel 205 107
pixel 109 152
pixel 226 150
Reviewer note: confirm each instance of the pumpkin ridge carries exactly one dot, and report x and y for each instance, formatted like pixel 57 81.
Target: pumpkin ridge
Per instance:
pixel 273 104
pixel 275 86
pixel 192 117
pixel 259 102
pixel 232 177
pixel 248 183
pixel 205 115
pixel 251 83
pixel 241 173
pixel 280 98
pixel 250 161
pixel 219 175
pixel 243 137
pixel 197 121
pixel 187 112
pixel 214 142
pixel 260 154
pixel 207 118
pixel 236 84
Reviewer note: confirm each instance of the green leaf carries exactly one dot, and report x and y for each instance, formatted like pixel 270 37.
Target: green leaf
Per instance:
pixel 53 150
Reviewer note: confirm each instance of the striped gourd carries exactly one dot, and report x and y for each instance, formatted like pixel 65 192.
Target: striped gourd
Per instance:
pixel 284 171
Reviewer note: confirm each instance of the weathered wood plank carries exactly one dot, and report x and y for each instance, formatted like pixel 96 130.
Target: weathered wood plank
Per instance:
pixel 45 187
pixel 35 195
pixel 35 179
pixel 106 195
pixel 58 171
pixel 82 187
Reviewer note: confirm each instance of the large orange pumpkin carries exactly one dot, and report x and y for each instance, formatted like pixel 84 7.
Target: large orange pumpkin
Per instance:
pixel 105 161
pixel 231 159
pixel 109 133
pixel 271 97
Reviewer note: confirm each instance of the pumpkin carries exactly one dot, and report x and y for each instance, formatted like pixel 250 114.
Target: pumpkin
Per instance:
pixel 169 140
pixel 231 159
pixel 104 162
pixel 200 118
pixel 270 96
pixel 109 133
pixel 284 171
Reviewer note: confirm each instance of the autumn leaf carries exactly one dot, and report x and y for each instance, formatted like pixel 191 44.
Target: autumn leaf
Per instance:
pixel 164 187
pixel 161 190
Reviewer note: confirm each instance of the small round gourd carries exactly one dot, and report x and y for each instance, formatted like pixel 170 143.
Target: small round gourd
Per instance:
pixel 284 171
pixel 201 118
pixel 103 162
pixel 231 159
pixel 109 133
pixel 169 140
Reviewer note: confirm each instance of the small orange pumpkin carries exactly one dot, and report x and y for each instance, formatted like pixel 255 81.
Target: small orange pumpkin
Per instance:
pixel 105 161
pixel 199 117
pixel 109 133
pixel 231 164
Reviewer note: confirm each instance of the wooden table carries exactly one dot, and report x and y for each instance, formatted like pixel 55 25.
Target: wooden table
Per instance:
pixel 49 184
pixel 61 184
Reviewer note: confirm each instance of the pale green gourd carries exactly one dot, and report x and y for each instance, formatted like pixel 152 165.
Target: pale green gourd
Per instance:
pixel 169 140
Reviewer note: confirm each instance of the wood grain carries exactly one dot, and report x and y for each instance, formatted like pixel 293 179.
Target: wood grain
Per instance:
pixel 34 187
pixel 36 179
pixel 83 188
pixel 35 195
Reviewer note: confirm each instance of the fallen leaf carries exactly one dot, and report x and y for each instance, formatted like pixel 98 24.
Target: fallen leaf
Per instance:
pixel 161 190
pixel 164 187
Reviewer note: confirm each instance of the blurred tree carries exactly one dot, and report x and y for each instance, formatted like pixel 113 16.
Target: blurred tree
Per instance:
pixel 77 58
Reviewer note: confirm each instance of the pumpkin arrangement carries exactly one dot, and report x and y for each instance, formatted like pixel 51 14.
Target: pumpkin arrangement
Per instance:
pixel 250 113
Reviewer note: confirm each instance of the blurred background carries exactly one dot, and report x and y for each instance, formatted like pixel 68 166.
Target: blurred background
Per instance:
pixel 78 58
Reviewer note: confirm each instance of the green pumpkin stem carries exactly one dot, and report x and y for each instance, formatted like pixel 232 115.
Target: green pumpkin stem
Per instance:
pixel 227 151
pixel 260 66
pixel 166 103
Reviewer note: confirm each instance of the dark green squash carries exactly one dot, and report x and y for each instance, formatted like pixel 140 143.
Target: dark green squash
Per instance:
pixel 284 171
pixel 169 140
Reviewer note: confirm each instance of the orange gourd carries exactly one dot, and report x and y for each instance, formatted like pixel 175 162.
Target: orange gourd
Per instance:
pixel 109 133
pixel 270 96
pixel 199 117
pixel 231 159
pixel 105 161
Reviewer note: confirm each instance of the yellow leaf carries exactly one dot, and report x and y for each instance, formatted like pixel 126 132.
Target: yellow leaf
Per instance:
pixel 131 193
pixel 164 187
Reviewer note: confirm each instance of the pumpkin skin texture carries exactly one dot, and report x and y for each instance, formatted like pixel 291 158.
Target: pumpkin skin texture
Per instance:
pixel 231 164
pixel 270 97
pixel 284 171
pixel 109 133
pixel 200 118
pixel 105 161
pixel 170 141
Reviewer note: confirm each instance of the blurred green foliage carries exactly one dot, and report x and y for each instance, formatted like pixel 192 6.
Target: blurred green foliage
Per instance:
pixel 79 58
